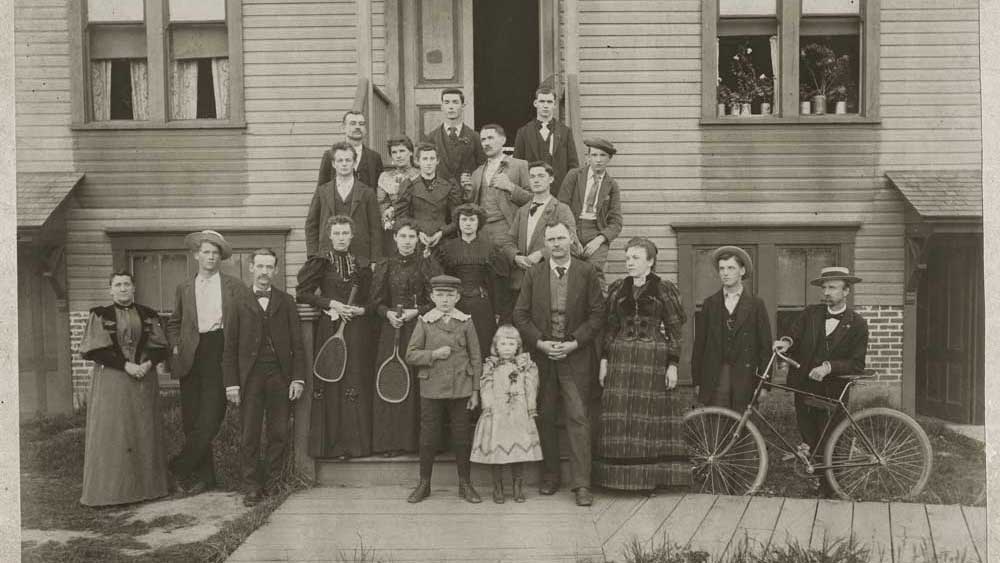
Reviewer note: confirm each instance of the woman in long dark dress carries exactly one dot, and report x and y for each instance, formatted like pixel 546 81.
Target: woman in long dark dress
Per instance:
pixel 402 281
pixel 640 443
pixel 124 458
pixel 475 260
pixel 341 417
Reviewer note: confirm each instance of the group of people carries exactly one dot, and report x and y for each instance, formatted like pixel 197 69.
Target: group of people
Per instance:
pixel 485 272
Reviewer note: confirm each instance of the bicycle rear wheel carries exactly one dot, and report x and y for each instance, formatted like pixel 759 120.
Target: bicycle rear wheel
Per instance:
pixel 724 462
pixel 900 442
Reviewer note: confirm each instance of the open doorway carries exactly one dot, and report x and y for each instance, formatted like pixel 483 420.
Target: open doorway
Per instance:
pixel 506 59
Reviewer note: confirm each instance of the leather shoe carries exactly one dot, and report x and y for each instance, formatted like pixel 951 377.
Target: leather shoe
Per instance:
pixel 548 487
pixel 584 497
pixel 253 498
pixel 422 491
pixel 466 491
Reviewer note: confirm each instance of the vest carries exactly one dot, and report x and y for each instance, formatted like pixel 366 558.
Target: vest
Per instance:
pixel 557 299
pixel 730 352
pixel 266 353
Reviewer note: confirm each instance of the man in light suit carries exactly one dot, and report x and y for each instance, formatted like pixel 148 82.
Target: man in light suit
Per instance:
pixel 367 163
pixel 546 139
pixel 500 186
pixel 264 368
pixel 459 152
pixel 560 312
pixel 593 196
pixel 524 243
pixel 204 305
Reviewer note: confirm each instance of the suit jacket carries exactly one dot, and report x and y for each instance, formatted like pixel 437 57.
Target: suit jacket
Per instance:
pixel 517 170
pixel 584 312
pixel 848 345
pixel 516 242
pixel 368 171
pixel 430 209
pixel 528 144
pixel 182 326
pixel 243 339
pixel 454 159
pixel 609 203
pixel 366 245
pixel 752 341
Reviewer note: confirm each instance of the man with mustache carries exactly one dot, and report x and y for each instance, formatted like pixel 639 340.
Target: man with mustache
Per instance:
pixel 367 163
pixel 500 186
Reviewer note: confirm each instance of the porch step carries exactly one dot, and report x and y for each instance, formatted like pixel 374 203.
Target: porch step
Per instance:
pixel 405 470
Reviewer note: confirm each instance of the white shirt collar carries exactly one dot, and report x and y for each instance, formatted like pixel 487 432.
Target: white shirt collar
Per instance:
pixel 553 265
pixel 841 310
pixel 210 279
pixel 734 295
pixel 591 173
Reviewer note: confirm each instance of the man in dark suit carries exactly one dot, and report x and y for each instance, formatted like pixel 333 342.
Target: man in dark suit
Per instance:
pixel 500 186
pixel 204 305
pixel 264 368
pixel 345 195
pixel 546 139
pixel 368 164
pixel 828 339
pixel 593 196
pixel 560 312
pixel 732 339
pixel 459 151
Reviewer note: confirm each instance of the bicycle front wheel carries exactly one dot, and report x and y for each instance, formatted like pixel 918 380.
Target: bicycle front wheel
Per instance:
pixel 724 461
pixel 900 459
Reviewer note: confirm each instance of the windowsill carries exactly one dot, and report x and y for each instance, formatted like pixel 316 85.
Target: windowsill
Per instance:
pixel 128 124
pixel 826 119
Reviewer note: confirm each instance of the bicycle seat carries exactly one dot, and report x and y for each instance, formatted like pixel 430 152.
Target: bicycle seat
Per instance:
pixel 868 374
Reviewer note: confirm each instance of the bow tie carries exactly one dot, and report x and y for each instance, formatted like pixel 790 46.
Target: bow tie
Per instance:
pixel 560 271
pixel 259 294
pixel 534 207
pixel 838 316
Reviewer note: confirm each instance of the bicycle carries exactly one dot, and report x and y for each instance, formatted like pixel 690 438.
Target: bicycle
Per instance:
pixel 875 453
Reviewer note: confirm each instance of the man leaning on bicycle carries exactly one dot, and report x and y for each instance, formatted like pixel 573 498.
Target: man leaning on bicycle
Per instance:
pixel 826 339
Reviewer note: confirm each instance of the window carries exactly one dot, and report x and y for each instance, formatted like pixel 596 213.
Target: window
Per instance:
pixel 785 260
pixel 159 261
pixel 790 60
pixel 158 64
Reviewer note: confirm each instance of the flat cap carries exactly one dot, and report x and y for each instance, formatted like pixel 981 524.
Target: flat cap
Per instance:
pixel 445 282
pixel 601 144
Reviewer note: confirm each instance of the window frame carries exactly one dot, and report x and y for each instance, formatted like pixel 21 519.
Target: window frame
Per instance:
pixel 789 16
pixel 157 26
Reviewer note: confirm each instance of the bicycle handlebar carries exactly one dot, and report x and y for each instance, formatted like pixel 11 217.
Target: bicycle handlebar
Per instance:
pixel 791 362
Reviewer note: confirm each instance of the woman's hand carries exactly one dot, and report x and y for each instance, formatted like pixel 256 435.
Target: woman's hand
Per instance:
pixel 473 401
pixel 603 371
pixel 671 379
pixel 395 320
pixel 135 370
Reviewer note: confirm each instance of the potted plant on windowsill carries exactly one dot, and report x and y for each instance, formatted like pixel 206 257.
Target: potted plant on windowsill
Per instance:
pixel 825 73
pixel 745 75
pixel 842 96
pixel 764 93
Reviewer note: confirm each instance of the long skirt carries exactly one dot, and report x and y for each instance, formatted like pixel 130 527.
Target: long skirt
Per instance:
pixel 640 440
pixel 396 426
pixel 341 417
pixel 483 318
pixel 124 458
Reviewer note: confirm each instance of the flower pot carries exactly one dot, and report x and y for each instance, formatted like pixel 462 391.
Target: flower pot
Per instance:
pixel 734 109
pixel 840 108
pixel 819 105
pixel 765 108
pixel 804 108
pixel 745 110
pixel 722 110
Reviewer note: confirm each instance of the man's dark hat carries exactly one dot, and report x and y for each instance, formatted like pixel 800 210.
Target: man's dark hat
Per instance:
pixel 835 273
pixel 445 282
pixel 601 144
pixel 744 257
pixel 194 240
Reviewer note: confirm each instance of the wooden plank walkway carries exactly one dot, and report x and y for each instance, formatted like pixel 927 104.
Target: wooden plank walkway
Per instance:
pixel 325 523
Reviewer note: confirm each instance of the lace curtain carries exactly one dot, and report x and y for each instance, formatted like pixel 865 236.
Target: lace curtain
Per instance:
pixel 100 89
pixel 776 73
pixel 139 71
pixel 220 83
pixel 184 89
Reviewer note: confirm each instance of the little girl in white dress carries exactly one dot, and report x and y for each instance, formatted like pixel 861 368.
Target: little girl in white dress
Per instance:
pixel 506 432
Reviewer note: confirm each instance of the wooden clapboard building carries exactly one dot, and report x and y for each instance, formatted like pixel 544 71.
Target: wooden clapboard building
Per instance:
pixel 190 114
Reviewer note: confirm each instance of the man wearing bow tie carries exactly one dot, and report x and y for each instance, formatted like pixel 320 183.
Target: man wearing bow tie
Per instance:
pixel 828 340
pixel 546 139
pixel 459 151
pixel 264 367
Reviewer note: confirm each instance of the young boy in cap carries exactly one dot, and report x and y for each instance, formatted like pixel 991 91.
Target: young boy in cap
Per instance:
pixel 445 349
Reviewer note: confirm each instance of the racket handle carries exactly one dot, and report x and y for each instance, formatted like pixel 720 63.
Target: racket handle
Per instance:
pixel 354 293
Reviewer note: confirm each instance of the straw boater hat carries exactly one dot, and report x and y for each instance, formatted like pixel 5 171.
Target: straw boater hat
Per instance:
pixel 194 240
pixel 601 144
pixel 835 273
pixel 744 257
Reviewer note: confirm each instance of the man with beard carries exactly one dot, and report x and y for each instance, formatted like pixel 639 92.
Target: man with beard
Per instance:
pixel 264 367
pixel 459 152
pixel 367 163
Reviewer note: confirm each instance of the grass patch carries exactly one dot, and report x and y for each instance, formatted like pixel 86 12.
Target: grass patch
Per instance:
pixel 51 485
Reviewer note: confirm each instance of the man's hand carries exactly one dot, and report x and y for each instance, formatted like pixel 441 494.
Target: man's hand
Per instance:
pixel 602 372
pixel 434 239
pixel 536 256
pixel 819 372
pixel 135 370
pixel 473 401
pixel 500 181
pixel 523 262
pixel 233 395
pixel 442 353
pixel 671 378
pixel 593 245
pixel 395 320
pixel 295 390
pixel 781 346
pixel 546 347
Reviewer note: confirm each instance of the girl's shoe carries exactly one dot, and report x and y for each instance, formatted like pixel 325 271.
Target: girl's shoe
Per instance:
pixel 498 491
pixel 518 489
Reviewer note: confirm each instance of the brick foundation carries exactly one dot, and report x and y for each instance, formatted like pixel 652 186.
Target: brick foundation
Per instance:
pixel 81 367
pixel 885 340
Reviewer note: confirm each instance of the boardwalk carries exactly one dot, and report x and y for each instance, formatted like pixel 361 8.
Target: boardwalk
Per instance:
pixel 326 523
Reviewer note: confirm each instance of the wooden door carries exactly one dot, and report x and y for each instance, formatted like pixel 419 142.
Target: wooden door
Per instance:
pixel 436 53
pixel 950 322
pixel 43 385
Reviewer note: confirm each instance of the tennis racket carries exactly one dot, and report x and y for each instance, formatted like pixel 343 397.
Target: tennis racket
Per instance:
pixel 330 364
pixel 393 380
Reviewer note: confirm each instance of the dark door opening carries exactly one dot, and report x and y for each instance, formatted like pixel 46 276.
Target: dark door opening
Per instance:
pixel 506 59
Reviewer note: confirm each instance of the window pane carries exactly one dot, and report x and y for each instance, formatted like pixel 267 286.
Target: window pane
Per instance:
pixel 792 277
pixel 115 10
pixel 746 74
pixel 199 78
pixel 146 271
pixel 197 10
pixel 830 7
pixel 747 8
pixel 830 72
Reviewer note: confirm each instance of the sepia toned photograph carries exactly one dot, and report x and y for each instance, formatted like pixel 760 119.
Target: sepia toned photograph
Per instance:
pixel 297 279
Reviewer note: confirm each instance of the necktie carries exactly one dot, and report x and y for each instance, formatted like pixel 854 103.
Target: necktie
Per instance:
pixel 453 133
pixel 560 271
pixel 544 130
pixel 534 207
pixel 261 294
pixel 838 316
pixel 595 187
